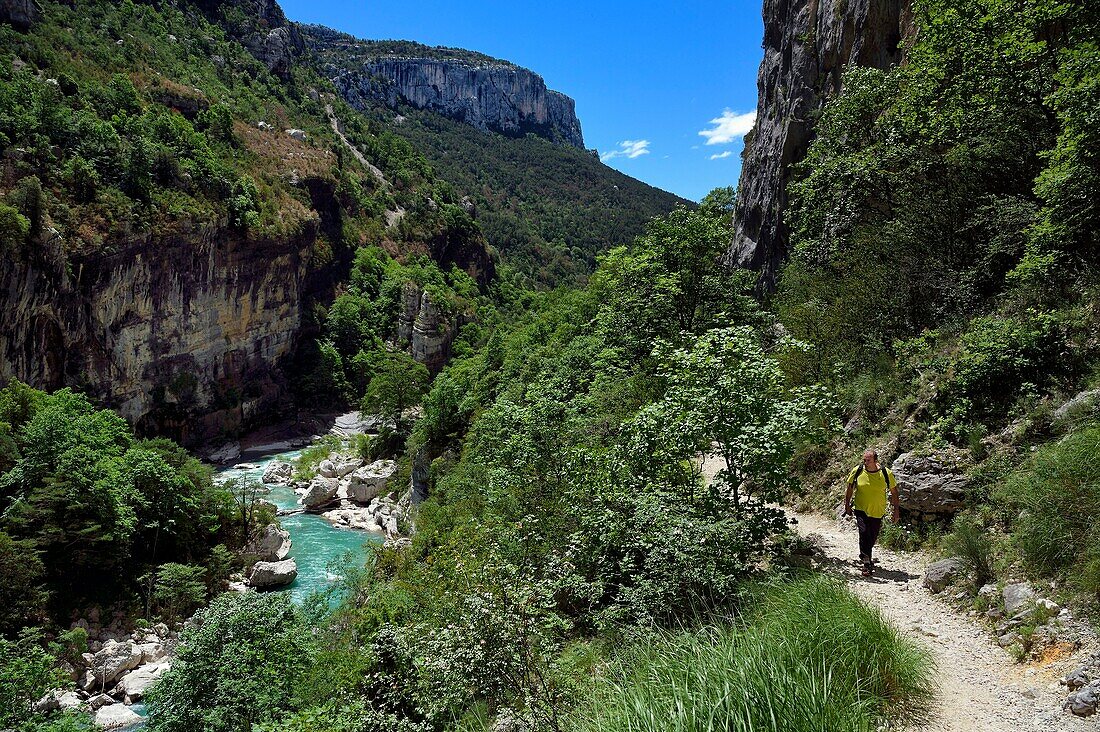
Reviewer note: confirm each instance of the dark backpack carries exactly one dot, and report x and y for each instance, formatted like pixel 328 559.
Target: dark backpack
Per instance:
pixel 885 475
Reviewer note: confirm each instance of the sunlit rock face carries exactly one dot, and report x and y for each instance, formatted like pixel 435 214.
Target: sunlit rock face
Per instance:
pixel 807 45
pixel 485 93
pixel 182 335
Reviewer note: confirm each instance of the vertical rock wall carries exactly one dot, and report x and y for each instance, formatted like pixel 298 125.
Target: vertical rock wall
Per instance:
pixel 181 335
pixel 807 45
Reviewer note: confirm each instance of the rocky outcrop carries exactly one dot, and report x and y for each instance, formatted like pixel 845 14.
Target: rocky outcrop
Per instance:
pixel 20 14
pixel 485 93
pixel 262 28
pixel 807 45
pixel 425 328
pixel 132 687
pixel 181 334
pixel 109 663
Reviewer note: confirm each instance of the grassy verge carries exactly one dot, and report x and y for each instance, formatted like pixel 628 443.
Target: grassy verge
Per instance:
pixel 809 656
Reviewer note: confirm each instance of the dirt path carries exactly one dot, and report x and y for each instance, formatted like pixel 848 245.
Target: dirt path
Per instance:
pixel 391 215
pixel 981 688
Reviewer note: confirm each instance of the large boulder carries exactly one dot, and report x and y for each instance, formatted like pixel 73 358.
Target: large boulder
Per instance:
pixel 368 482
pixel 116 716
pixel 153 652
pixel 109 663
pixel 326 469
pixel 321 491
pixel 940 574
pixel 279 472
pixel 265 575
pixel 931 484
pixel 132 687
pixel 1017 597
pixel 270 545
pixel 344 465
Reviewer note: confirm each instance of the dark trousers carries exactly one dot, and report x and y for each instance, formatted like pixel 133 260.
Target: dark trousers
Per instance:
pixel 868 534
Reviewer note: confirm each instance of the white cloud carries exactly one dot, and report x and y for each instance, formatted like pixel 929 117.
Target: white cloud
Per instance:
pixel 729 127
pixel 719 156
pixel 628 149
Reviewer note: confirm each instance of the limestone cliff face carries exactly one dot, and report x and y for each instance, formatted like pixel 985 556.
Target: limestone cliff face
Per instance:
pixel 485 93
pixel 807 45
pixel 182 335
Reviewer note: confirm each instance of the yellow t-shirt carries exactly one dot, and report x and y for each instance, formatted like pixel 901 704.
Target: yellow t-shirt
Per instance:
pixel 871 490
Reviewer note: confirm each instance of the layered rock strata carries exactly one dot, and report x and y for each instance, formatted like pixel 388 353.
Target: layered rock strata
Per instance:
pixel 807 46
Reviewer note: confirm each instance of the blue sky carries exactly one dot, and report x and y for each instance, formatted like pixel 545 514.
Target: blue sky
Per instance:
pixel 648 77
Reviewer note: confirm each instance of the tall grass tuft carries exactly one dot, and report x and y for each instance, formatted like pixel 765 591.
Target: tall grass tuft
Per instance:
pixel 808 657
pixel 1053 502
pixel 970 542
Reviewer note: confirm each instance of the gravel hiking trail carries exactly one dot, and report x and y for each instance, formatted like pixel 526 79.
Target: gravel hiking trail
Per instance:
pixel 980 686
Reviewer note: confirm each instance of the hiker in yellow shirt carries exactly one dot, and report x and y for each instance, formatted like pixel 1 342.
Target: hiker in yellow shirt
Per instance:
pixel 869 483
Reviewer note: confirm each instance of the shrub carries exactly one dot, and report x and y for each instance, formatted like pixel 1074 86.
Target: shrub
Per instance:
pixel 238 669
pixel 998 358
pixel 810 656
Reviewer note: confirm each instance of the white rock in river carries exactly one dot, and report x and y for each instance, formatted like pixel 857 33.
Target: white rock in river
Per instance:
pixel 367 482
pixel 326 469
pixel 115 716
pixel 273 574
pixel 109 663
pixel 131 688
pixel 353 518
pixel 321 491
pixel 278 471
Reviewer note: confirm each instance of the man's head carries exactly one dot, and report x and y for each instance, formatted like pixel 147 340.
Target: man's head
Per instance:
pixel 870 458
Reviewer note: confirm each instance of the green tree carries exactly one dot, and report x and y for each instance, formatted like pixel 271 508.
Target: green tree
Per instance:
pixel 14 228
pixel 240 668
pixel 399 383
pixel 23 602
pixel 179 589
pixel 27 672
pixel 726 391
pixel 29 198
